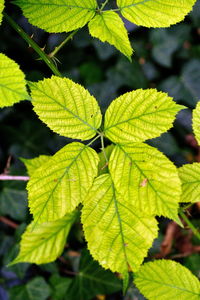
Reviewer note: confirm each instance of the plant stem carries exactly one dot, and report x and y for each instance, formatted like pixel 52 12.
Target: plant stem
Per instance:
pixel 103 148
pixel 10 177
pixel 92 141
pixel 103 5
pixel 191 226
pixel 30 41
pixel 69 37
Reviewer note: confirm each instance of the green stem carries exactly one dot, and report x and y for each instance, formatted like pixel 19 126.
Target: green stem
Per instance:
pixel 92 141
pixel 103 148
pixel 187 221
pixel 104 4
pixel 69 37
pixel 30 41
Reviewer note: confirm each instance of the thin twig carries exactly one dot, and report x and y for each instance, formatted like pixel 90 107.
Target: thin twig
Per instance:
pixel 11 177
pixel 8 222
pixel 69 37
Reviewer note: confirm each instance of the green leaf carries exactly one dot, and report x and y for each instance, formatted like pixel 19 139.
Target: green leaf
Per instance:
pixel 92 280
pixel 60 286
pixel 139 115
pixel 118 234
pixel 109 27
pixel 147 179
pixel 12 82
pixel 34 163
pixel 151 13
pixel 43 244
pixel 58 15
pixel 167 279
pixel 35 289
pixel 190 178
pixel 196 122
pixel 66 107
pixel 61 183
pixel 1 9
pixel 13 203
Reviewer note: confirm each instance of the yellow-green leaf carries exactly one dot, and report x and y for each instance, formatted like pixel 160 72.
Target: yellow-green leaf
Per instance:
pixel 190 178
pixel 147 179
pixel 118 234
pixel 58 15
pixel 44 243
pixel 12 82
pixel 66 107
pixel 196 122
pixel 61 183
pixel 139 115
pixel 151 13
pixel 34 163
pixel 109 27
pixel 167 280
pixel 1 9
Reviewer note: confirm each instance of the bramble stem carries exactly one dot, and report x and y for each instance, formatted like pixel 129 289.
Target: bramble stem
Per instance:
pixel 103 148
pixel 191 226
pixel 69 37
pixel 10 177
pixel 33 44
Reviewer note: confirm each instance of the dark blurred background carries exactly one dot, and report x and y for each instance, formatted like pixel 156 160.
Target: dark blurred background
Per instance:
pixel 166 59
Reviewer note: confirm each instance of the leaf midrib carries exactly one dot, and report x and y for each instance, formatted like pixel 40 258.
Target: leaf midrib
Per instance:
pixel 169 285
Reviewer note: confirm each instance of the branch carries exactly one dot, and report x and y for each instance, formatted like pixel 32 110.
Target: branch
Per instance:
pixel 10 177
pixel 69 37
pixel 8 222
pixel 190 225
pixel 30 41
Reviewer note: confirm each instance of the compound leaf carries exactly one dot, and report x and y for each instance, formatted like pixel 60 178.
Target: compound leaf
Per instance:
pixel 190 177
pixel 34 163
pixel 147 179
pixel 12 82
pixel 151 13
pixel 43 244
pixel 109 27
pixel 167 279
pixel 139 115
pixel 196 122
pixel 66 107
pixel 1 9
pixel 118 235
pixel 58 15
pixel 61 183
pixel 92 280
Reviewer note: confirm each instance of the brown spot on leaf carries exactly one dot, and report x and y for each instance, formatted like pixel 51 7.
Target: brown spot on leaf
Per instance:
pixel 144 182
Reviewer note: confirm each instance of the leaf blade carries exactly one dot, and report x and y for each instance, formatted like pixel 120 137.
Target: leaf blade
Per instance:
pixel 146 178
pixel 66 107
pixel 149 114
pixel 60 184
pixel 152 13
pixel 1 10
pixel 12 82
pixel 109 27
pixel 130 235
pixel 196 122
pixel 58 15
pixel 190 178
pixel 167 279
pixel 45 243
